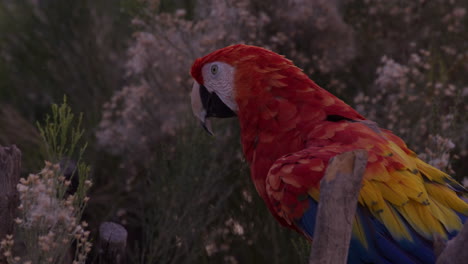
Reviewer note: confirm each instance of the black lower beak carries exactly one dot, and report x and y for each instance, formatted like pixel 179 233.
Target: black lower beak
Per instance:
pixel 213 105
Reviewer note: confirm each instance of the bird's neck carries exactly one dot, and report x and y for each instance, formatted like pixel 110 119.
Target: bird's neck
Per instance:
pixel 267 136
pixel 278 120
pixel 277 110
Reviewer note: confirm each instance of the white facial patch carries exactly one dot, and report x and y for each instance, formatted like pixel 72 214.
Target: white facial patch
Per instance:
pixel 218 77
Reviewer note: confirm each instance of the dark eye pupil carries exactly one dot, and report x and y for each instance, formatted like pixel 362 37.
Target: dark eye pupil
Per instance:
pixel 214 69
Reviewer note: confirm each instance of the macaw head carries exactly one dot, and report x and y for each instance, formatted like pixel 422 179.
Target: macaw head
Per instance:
pixel 213 89
pixel 226 76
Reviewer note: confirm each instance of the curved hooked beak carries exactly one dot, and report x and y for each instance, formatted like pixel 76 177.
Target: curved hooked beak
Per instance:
pixel 207 104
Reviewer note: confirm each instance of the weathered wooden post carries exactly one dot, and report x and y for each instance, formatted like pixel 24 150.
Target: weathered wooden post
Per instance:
pixel 112 243
pixel 339 190
pixel 10 166
pixel 455 251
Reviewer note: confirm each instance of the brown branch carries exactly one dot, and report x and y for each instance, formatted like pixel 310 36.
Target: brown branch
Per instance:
pixel 455 251
pixel 112 242
pixel 10 166
pixel 339 190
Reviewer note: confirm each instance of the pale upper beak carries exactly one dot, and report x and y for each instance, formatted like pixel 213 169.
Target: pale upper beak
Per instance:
pixel 207 104
pixel 198 110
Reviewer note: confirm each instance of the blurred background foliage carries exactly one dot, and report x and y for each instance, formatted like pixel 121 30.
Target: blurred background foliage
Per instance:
pixel 186 197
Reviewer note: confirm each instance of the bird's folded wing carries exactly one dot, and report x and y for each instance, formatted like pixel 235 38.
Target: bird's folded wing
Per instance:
pixel 403 203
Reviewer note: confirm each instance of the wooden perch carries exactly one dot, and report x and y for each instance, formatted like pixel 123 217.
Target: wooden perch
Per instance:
pixel 455 251
pixel 10 166
pixel 112 243
pixel 339 190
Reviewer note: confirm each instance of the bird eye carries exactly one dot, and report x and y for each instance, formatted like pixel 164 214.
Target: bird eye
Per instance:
pixel 214 69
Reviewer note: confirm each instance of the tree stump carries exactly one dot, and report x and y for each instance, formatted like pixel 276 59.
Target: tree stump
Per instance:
pixel 112 243
pixel 10 166
pixel 339 190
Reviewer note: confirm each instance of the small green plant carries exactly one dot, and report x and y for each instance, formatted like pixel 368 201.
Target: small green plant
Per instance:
pixel 59 135
pixel 302 247
pixel 48 226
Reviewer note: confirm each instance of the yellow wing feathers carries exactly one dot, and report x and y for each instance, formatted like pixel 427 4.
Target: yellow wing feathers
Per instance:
pixel 446 197
pixel 423 195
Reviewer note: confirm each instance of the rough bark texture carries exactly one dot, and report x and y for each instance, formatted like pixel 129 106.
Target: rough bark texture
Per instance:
pixel 439 245
pixel 112 241
pixel 456 251
pixel 10 165
pixel 339 190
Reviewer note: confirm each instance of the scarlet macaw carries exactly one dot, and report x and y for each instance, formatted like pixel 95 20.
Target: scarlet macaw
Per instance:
pixel 291 127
